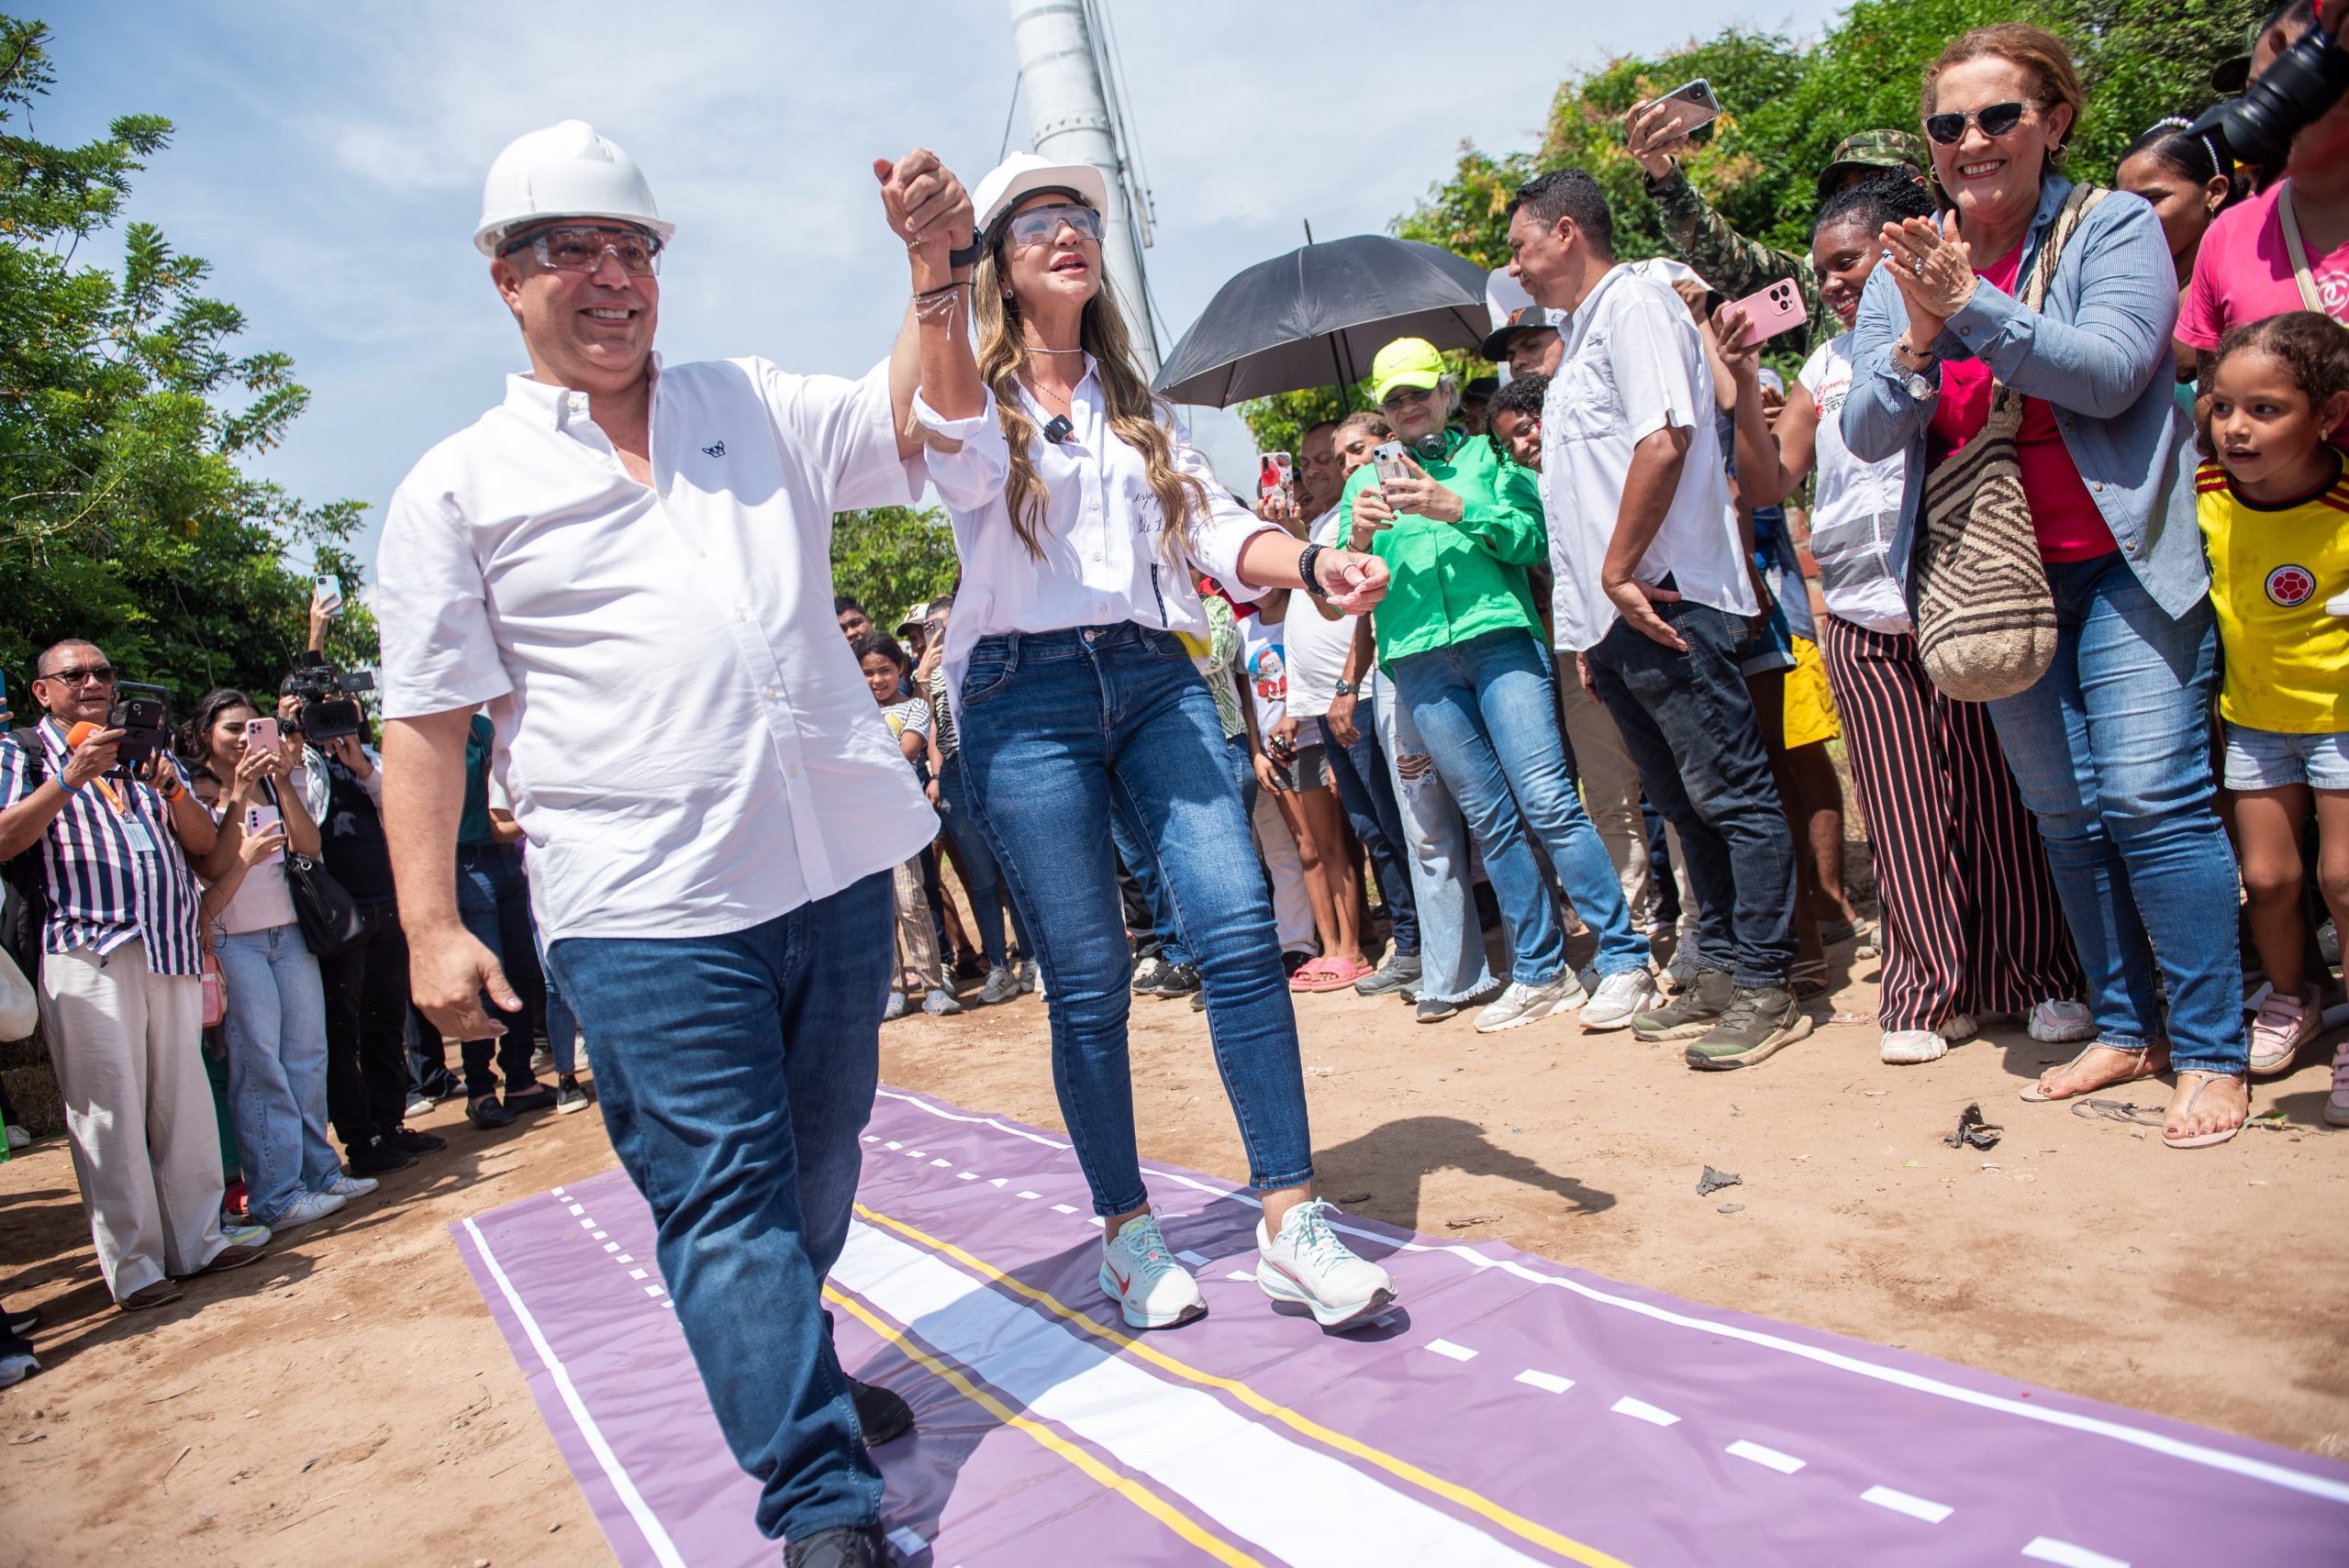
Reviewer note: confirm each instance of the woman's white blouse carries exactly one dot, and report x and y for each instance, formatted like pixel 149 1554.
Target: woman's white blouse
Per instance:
pixel 1101 562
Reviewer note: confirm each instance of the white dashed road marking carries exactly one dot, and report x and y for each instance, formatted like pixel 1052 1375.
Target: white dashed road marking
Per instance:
pixel 966 1175
pixel 1783 1464
pixel 636 1273
pixel 1639 1409
pixel 1455 1353
pixel 1242 1274
pixel 1194 1259
pixel 1031 1195
pixel 2047 1548
pixel 905 1538
pixel 942 1164
pixel 1548 1382
pixel 578 1208
pixel 1933 1513
pixel 1062 1208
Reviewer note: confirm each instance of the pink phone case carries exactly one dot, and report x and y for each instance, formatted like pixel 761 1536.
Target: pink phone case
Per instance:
pixel 262 732
pixel 1771 312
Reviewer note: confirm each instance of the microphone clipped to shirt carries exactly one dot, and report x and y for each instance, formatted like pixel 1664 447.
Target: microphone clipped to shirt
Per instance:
pixel 1058 429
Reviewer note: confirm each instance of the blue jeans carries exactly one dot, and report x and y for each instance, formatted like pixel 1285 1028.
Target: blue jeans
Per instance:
pixel 1359 771
pixel 1689 725
pixel 735 1074
pixel 2111 750
pixel 493 901
pixel 562 1024
pixel 1453 965
pixel 1062 732
pixel 277 1067
pixel 985 878
pixel 1145 895
pixel 1490 716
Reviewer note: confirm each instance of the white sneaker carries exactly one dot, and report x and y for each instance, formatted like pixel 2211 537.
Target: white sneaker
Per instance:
pixel 1139 1274
pixel 305 1208
pixel 1524 1004
pixel 941 1003
pixel 350 1187
pixel 1958 1027
pixel 1618 997
pixel 1306 1266
pixel 417 1104
pixel 1906 1048
pixel 18 1137
pixel 2060 1021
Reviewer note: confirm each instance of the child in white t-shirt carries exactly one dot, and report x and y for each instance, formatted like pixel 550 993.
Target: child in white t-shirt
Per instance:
pixel 885 666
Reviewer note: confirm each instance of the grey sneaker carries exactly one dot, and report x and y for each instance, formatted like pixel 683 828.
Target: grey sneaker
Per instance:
pixel 1399 973
pixel 1753 1029
pixel 1692 1012
pixel 1027 975
pixel 1521 1004
pixel 1001 985
pixel 1619 998
pixel 897 1007
pixel 304 1208
pixel 348 1186
pixel 1151 976
pixel 940 1003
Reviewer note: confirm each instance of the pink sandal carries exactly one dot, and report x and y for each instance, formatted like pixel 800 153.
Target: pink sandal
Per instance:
pixel 1327 974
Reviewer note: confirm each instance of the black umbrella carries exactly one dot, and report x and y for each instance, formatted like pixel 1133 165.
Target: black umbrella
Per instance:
pixel 1315 318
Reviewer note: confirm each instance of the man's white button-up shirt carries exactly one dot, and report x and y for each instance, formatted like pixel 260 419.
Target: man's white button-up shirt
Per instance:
pixel 687 742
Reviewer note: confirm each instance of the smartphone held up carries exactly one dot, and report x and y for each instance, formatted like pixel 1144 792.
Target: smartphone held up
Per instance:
pixel 1776 308
pixel 1277 475
pixel 1685 108
pixel 1388 462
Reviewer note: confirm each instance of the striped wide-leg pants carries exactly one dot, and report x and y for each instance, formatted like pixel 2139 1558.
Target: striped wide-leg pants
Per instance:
pixel 1971 924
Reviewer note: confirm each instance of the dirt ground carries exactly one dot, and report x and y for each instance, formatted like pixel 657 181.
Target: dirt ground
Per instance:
pixel 349 1401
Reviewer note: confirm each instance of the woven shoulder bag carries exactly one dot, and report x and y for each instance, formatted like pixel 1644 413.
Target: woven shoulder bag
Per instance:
pixel 1986 625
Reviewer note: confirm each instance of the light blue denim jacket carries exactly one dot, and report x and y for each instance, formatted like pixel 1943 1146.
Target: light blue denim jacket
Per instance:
pixel 2097 351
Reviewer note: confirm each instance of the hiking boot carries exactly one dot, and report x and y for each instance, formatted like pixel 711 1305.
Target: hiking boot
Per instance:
pixel 1690 1013
pixel 1001 985
pixel 1400 971
pixel 1619 998
pixel 1521 1004
pixel 881 1414
pixel 1757 1022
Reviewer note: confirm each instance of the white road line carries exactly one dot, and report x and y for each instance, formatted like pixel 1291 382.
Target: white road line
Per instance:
pixel 1783 1464
pixel 909 1540
pixel 1099 1221
pixel 1235 1470
pixel 1639 1409
pixel 598 1235
pixel 589 1225
pixel 654 1290
pixel 1062 1208
pixel 2158 1443
pixel 998 1181
pixel 647 1521
pixel 917 1153
pixel 636 1273
pixel 559 1193
pixel 1455 1353
pixel 893 1145
pixel 623 1257
pixel 869 1138
pixel 942 1164
pixel 1196 1260
pixel 1548 1382
pixel 611 1246
pixel 578 1208
pixel 966 1175
pixel 1031 1195
pixel 1242 1274
pixel 2047 1548
pixel 1933 1513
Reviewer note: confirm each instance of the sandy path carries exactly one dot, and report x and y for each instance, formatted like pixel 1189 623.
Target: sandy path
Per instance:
pixel 348 1400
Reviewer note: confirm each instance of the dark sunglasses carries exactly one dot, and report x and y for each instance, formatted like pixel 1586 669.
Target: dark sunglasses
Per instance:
pixel 1996 120
pixel 102 674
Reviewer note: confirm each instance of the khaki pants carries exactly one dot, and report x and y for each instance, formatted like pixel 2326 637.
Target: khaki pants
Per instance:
pixel 917 967
pixel 128 1045
pixel 1610 788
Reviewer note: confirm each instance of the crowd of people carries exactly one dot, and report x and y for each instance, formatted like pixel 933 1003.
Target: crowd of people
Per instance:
pixel 1539 656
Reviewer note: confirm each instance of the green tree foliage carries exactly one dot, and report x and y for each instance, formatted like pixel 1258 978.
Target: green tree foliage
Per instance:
pixel 888 557
pixel 1787 103
pixel 125 411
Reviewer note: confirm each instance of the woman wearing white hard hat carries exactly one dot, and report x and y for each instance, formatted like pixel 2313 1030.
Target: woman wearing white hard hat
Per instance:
pixel 627 560
pixel 1076 697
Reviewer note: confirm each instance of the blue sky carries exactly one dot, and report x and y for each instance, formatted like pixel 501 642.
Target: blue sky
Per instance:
pixel 328 157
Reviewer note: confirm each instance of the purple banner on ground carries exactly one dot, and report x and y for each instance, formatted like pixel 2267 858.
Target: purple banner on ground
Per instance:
pixel 1510 1410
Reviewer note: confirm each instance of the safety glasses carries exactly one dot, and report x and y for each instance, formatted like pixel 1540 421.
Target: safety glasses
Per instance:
pixel 583 250
pixel 1996 120
pixel 1037 226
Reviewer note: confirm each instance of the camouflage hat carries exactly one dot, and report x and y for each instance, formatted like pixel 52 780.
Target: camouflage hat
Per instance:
pixel 1878 149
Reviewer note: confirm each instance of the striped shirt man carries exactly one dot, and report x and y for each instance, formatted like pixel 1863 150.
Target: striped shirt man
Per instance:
pixel 111 864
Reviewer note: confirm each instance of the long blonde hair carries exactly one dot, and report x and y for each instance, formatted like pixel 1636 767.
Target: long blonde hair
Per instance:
pixel 1134 413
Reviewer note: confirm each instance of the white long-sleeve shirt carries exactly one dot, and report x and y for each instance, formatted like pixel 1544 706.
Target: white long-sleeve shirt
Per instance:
pixel 1102 561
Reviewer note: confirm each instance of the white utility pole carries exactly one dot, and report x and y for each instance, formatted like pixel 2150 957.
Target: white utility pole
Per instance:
pixel 1069 121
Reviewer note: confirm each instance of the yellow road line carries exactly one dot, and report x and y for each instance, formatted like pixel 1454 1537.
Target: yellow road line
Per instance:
pixel 1475 1502
pixel 1133 1491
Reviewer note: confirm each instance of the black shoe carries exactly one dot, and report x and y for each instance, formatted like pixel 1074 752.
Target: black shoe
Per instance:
pixel 1149 974
pixel 413 1141
pixel 532 1097
pixel 843 1546
pixel 486 1113
pixel 1692 1013
pixel 24 1322
pixel 1293 962
pixel 883 1414
pixel 377 1156
pixel 1182 980
pixel 568 1096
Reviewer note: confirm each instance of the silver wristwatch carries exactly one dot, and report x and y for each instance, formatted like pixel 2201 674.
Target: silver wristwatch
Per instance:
pixel 1347 689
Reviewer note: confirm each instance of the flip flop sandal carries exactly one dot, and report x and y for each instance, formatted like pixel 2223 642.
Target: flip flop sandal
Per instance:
pixel 2207 1140
pixel 2127 1111
pixel 2145 1069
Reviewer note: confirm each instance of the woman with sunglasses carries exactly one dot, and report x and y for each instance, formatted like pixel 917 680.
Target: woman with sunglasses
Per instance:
pixel 1075 698
pixel 2110 747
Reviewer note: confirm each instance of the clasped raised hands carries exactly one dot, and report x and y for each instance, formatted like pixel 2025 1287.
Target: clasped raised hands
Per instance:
pixel 928 209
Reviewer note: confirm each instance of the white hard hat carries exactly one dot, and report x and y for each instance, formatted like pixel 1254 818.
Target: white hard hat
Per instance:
pixel 564 170
pixel 1023 175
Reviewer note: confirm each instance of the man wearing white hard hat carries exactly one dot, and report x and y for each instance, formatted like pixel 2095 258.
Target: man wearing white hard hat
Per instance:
pixel 627 561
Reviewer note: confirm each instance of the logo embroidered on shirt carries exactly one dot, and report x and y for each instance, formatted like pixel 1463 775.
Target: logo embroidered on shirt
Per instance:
pixel 2291 586
pixel 716 450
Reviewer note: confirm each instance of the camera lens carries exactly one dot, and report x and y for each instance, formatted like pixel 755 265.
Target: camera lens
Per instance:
pixel 2305 82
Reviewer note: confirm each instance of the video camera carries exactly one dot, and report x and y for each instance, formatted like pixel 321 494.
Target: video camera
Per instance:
pixel 143 714
pixel 328 713
pixel 2305 82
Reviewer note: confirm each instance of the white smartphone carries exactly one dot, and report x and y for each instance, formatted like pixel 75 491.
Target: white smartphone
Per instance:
pixel 328 595
pixel 1387 459
pixel 260 820
pixel 1690 106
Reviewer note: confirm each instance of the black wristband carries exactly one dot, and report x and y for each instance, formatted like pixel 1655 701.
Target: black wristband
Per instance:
pixel 1305 562
pixel 968 256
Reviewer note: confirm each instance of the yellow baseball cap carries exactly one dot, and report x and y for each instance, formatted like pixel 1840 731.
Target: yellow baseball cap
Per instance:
pixel 1406 361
